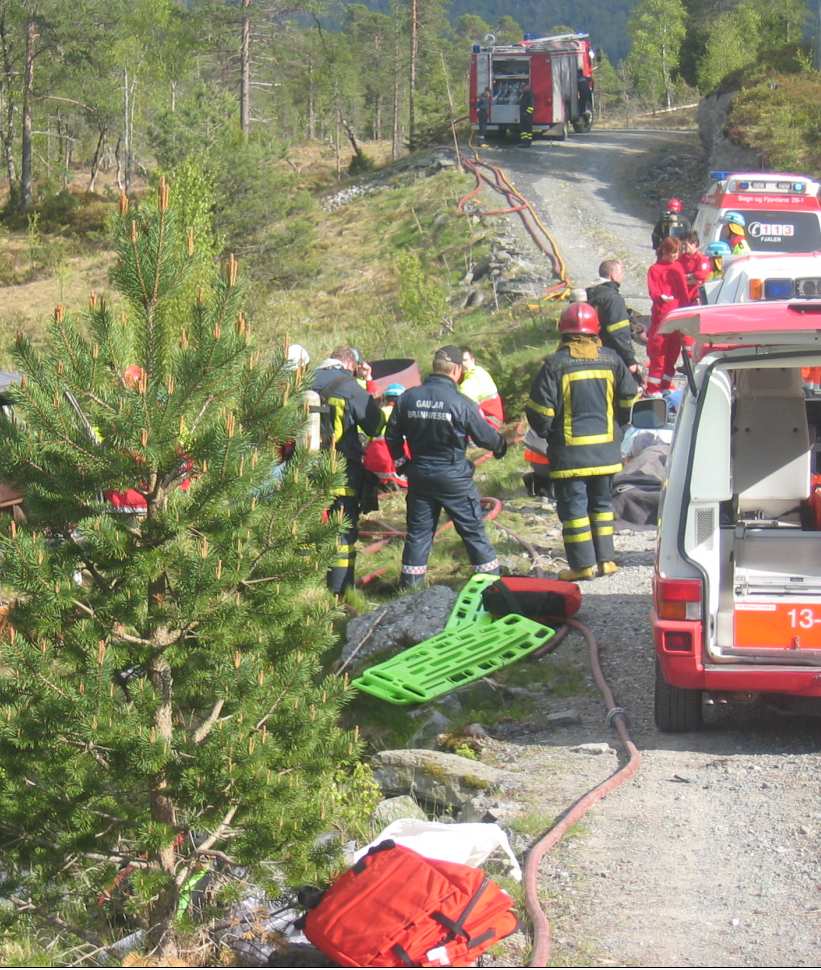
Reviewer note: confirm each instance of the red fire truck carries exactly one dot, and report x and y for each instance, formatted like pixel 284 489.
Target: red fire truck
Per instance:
pixel 559 71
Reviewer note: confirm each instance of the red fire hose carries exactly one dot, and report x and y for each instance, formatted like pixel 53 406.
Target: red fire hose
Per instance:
pixel 540 955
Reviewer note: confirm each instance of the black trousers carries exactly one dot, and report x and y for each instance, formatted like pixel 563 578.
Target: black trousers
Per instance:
pixel 482 124
pixel 586 513
pixel 525 127
pixel 341 574
pixel 423 511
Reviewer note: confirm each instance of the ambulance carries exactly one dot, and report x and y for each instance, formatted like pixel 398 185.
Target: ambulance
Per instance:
pixel 782 211
pixel 737 582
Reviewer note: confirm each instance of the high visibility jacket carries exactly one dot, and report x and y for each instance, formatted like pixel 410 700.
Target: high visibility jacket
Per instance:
pixel 739 246
pixel 665 279
pixel 615 323
pixel 480 387
pixel 438 423
pixel 577 405
pixel 352 410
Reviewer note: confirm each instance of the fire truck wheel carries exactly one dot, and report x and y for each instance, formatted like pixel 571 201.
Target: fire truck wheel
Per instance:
pixel 676 708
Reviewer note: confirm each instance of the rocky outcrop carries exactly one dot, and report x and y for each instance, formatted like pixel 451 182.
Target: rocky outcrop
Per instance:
pixel 722 153
pixel 406 621
pixel 445 781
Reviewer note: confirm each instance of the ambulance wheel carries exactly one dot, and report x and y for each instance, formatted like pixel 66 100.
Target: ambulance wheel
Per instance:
pixel 677 709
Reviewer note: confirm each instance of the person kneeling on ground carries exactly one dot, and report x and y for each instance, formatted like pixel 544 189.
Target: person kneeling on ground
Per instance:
pixel 575 401
pixel 438 423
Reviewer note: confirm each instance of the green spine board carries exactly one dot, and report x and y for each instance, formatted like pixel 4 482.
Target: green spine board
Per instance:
pixel 468 607
pixel 453 658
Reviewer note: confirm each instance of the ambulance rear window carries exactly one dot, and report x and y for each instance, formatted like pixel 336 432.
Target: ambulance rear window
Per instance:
pixel 782 232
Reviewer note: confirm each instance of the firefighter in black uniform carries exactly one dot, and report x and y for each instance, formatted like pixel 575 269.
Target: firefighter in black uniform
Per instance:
pixel 526 117
pixel 346 409
pixel 614 319
pixel 672 223
pixel 438 422
pixel 574 404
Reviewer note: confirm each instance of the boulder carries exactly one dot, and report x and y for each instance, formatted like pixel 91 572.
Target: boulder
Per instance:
pixel 391 809
pixel 406 621
pixel 434 777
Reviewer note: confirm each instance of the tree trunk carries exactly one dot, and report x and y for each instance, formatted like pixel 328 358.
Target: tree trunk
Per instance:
pixel 26 198
pixel 311 101
pixel 397 107
pixel 414 53
pixel 162 808
pixel 7 130
pixel 95 161
pixel 245 71
pixel 126 143
pixel 173 97
pixel 337 135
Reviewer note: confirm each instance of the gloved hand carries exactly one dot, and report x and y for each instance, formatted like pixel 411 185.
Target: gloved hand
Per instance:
pixel 638 374
pixel 501 451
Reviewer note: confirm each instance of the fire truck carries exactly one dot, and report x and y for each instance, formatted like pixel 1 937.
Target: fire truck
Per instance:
pixel 559 70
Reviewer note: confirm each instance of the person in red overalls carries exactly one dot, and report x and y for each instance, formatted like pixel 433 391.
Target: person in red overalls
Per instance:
pixel 697 267
pixel 667 286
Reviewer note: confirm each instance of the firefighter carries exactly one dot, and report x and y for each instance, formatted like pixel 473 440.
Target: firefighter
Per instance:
pixel 480 387
pixel 718 252
pixel 437 422
pixel 736 233
pixel 697 267
pixel 346 409
pixel 483 110
pixel 614 320
pixel 667 286
pixel 672 223
pixel 576 400
pixel 526 117
pixel 584 89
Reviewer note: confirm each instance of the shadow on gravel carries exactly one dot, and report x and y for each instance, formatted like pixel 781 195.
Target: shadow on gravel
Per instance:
pixel 620 623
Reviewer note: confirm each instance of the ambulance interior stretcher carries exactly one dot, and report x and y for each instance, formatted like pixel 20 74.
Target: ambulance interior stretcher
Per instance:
pixel 754 522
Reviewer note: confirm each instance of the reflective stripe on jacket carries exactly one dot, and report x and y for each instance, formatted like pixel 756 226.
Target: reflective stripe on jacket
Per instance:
pixel 613 318
pixel 352 410
pixel 576 404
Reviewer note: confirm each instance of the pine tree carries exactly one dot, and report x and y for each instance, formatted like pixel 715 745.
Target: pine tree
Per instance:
pixel 161 696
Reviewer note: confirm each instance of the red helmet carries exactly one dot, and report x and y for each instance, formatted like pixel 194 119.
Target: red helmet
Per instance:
pixel 705 267
pixel 675 205
pixel 579 318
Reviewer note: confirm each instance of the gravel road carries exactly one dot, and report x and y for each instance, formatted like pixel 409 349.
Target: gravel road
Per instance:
pixel 710 858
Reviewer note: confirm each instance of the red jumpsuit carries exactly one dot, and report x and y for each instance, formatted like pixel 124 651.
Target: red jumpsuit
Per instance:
pixel 699 266
pixel 664 279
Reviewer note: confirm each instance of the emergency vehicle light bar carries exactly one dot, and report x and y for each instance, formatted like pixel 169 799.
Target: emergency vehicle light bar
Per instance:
pixel 719 176
pixel 749 185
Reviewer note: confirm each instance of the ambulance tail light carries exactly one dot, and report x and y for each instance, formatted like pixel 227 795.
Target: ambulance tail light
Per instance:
pixel 678 599
pixel 779 290
pixel 756 289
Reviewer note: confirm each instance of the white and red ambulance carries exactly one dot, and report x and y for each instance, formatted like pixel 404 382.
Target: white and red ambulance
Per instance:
pixel 782 211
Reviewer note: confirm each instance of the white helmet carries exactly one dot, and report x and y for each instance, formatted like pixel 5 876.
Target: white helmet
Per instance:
pixel 298 356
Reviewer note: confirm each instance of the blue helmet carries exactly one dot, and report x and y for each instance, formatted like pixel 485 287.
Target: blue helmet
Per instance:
pixel 394 390
pixel 719 248
pixel 734 218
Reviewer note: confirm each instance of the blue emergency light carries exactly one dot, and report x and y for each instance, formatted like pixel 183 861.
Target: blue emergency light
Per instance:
pixel 719 176
pixel 476 48
pixel 798 186
pixel 779 289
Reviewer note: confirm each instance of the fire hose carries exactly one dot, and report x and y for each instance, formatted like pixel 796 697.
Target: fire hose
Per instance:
pixel 519 205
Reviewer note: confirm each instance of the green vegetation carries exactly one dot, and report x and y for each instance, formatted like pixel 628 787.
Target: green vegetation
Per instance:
pixel 779 116
pixel 161 695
